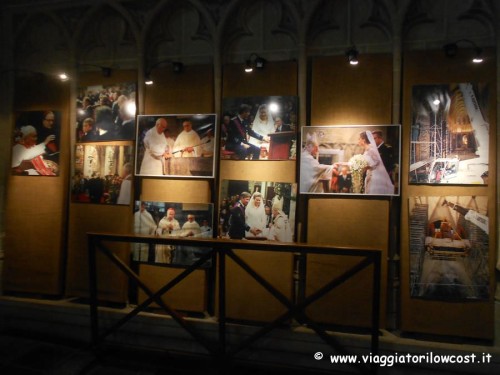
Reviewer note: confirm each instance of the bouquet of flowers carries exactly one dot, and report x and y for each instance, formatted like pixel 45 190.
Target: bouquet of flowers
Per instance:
pixel 358 165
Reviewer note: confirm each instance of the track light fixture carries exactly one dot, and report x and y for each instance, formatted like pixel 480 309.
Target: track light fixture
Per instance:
pixel 352 55
pixel 254 61
pixel 177 67
pixel 105 70
pixel 451 50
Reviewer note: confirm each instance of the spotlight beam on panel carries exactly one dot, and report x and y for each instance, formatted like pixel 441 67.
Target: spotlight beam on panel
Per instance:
pixel 177 67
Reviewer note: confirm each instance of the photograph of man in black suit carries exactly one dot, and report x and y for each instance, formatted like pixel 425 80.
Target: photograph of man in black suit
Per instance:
pixel 386 152
pixel 238 134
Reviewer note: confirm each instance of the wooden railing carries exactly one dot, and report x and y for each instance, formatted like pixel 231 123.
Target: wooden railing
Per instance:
pixel 221 249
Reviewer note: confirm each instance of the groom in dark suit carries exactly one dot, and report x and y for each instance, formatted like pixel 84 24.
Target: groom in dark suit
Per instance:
pixel 238 133
pixel 386 152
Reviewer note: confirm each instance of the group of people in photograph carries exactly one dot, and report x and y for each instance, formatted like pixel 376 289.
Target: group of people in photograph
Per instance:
pixel 370 172
pixel 106 114
pixel 168 225
pixel 158 144
pixel 109 189
pixel 36 145
pixel 250 216
pixel 246 135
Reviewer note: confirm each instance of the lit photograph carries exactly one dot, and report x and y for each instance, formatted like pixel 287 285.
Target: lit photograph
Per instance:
pixel 353 160
pixel 35 147
pixel 449 246
pixel 259 128
pixel 257 210
pixel 180 145
pixel 106 112
pixel 449 137
pixel 103 174
pixel 172 219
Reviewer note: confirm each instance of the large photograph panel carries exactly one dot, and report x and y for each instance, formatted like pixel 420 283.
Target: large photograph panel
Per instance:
pixel 257 210
pixel 106 112
pixel 103 174
pixel 172 219
pixel 180 145
pixel 259 128
pixel 449 134
pixel 449 247
pixel 358 159
pixel 35 149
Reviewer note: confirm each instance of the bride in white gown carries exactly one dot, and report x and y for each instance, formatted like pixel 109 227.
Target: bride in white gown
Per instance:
pixel 377 180
pixel 255 215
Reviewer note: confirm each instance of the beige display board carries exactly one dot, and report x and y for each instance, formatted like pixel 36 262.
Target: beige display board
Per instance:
pixel 36 205
pixel 246 299
pixel 473 319
pixel 188 295
pixel 346 223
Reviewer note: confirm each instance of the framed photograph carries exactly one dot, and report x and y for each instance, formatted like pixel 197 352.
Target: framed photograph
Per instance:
pixel 106 112
pixel 172 219
pixel 103 174
pixel 357 159
pixel 449 134
pixel 257 210
pixel 259 128
pixel 181 145
pixel 35 147
pixel 449 246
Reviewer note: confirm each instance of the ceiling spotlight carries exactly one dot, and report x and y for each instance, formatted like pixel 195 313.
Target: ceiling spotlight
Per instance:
pixel 106 72
pixel 63 77
pixel 260 62
pixel 178 67
pixel 451 50
pixel 148 80
pixel 254 61
pixel 248 66
pixel 352 55
pixel 478 58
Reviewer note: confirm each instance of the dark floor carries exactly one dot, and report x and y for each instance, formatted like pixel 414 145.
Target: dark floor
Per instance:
pixel 23 355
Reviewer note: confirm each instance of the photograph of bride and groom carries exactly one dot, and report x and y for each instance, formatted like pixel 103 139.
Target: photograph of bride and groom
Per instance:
pixel 350 160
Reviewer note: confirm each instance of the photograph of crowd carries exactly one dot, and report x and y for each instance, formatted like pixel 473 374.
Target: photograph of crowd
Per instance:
pixel 257 210
pixel 176 145
pixel 360 159
pixel 449 246
pixel 449 134
pixel 259 128
pixel 35 147
pixel 103 174
pixel 172 219
pixel 106 112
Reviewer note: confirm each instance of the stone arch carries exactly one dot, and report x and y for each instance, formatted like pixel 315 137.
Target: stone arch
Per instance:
pixel 205 31
pixel 129 28
pixel 32 45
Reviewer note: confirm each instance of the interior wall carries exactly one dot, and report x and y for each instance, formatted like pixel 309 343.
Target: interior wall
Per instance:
pixel 36 205
pixel 467 319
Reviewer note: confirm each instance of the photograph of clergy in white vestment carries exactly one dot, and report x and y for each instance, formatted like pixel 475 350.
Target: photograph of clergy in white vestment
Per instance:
pixel 180 145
